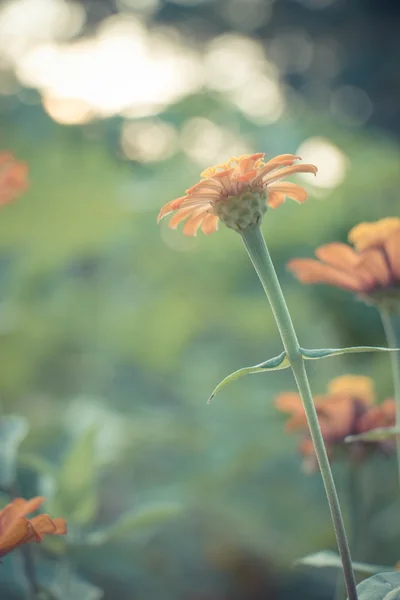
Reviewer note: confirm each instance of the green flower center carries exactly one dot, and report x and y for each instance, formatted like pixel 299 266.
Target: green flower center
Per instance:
pixel 241 212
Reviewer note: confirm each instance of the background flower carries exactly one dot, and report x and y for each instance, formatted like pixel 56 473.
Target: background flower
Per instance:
pixel 16 529
pixel 348 408
pixel 371 269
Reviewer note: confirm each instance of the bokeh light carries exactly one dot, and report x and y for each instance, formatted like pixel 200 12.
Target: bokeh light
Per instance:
pixel 332 162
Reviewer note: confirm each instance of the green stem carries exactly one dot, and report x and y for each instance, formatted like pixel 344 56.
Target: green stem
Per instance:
pixel 391 325
pixel 255 245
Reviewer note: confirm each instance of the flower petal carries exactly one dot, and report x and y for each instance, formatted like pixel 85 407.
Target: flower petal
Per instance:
pixel 194 221
pixel 338 255
pixel 210 223
pixel 170 207
pixel 374 261
pixel 15 535
pixel 289 190
pixel 179 216
pixel 275 199
pixel 346 259
pixel 247 163
pixel 308 270
pixel 392 247
pixel 282 173
pixel 289 402
pixel 359 386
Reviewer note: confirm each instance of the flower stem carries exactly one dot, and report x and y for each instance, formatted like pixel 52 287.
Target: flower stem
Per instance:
pixel 255 245
pixel 391 325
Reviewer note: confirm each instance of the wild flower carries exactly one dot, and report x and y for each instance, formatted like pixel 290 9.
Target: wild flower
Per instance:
pixel 348 408
pixel 371 269
pixel 16 529
pixel 237 193
pixel 13 178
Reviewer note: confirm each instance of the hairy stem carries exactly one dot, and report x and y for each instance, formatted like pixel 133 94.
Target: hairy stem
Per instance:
pixel 391 325
pixel 255 245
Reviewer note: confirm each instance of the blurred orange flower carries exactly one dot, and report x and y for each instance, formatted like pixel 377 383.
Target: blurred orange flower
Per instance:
pixel 237 193
pixel 346 409
pixel 16 529
pixel 371 268
pixel 13 178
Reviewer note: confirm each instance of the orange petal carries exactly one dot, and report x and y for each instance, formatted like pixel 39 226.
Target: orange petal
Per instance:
pixel 308 270
pixel 392 247
pixel 61 526
pixel 43 524
pixel 373 235
pixel 356 386
pixel 209 184
pixel 282 173
pixel 179 216
pixel 193 223
pixel 19 507
pixel 338 255
pixel 375 263
pixel 170 207
pixel 275 199
pixel 346 259
pixel 291 190
pixel 210 223
pixel 247 163
pixel 15 535
pixel 247 176
pixel 289 402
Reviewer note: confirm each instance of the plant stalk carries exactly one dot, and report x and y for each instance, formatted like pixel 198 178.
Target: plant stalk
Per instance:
pixel 258 252
pixel 391 325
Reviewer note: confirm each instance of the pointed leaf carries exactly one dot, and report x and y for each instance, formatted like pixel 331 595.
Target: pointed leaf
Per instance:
pixel 327 559
pixel 385 586
pixel 135 521
pixel 374 435
pixel 324 352
pixel 13 429
pixel 273 364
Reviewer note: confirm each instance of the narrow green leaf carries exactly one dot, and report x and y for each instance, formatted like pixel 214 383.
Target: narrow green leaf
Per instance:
pixel 135 521
pixel 374 435
pixel 13 430
pixel 327 559
pixel 273 364
pixel 385 586
pixel 324 352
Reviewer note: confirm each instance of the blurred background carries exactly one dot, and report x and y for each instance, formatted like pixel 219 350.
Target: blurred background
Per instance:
pixel 114 331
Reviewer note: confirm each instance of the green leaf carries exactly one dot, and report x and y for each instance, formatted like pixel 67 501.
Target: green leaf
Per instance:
pixel 324 352
pixel 133 522
pixel 273 364
pixel 326 559
pixel 385 586
pixel 374 435
pixel 73 492
pixel 13 430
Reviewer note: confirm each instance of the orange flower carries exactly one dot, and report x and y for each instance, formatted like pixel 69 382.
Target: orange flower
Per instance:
pixel 13 178
pixel 236 193
pixel 347 409
pixel 16 529
pixel 371 269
